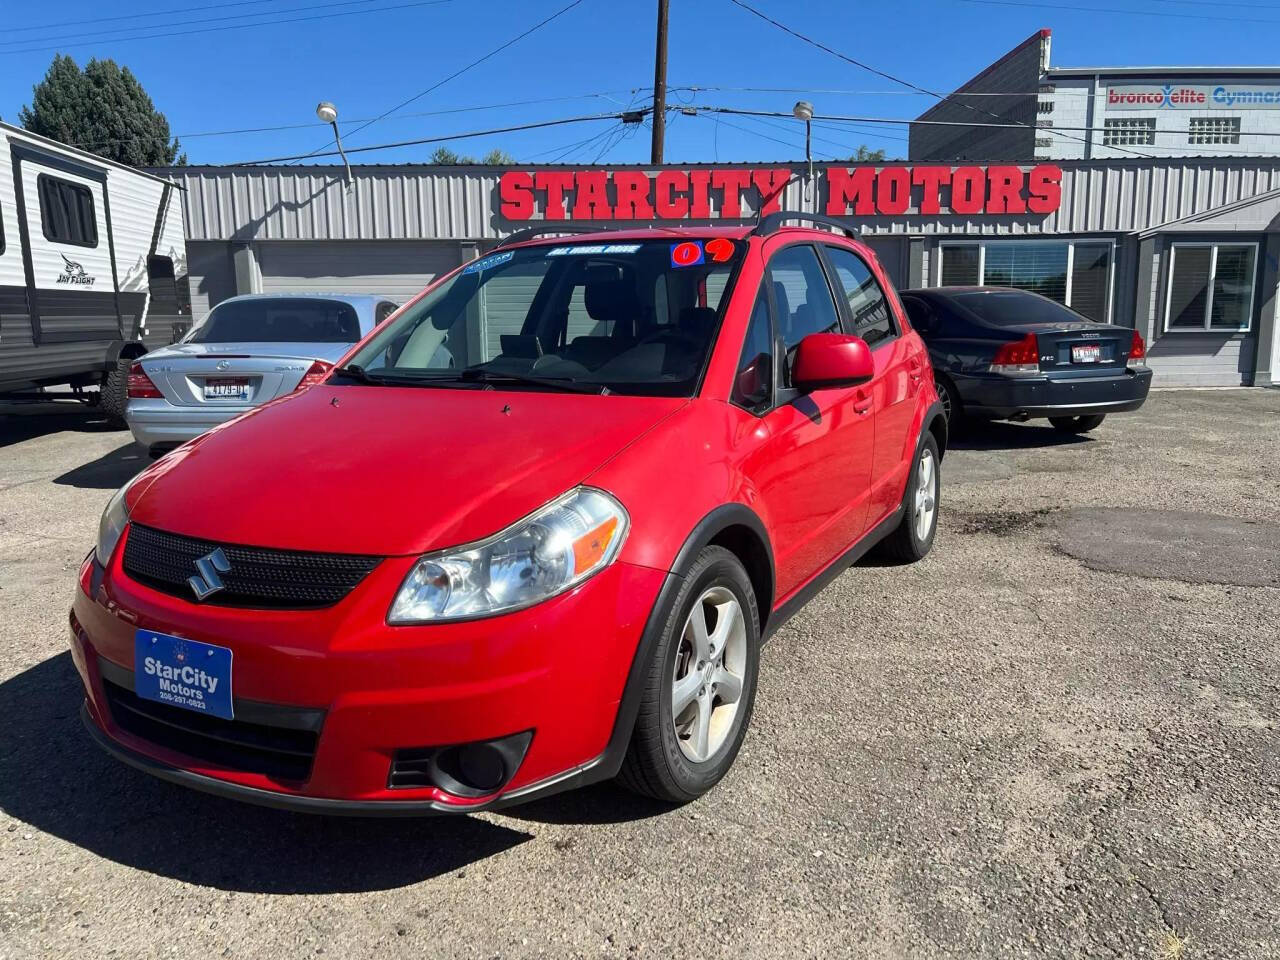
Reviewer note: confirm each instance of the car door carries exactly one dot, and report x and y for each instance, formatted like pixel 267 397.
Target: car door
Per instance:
pixel 900 372
pixel 814 470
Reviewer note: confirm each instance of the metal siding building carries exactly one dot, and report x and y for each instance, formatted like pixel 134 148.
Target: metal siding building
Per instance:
pixel 395 228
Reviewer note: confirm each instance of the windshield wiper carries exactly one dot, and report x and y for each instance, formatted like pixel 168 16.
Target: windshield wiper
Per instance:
pixel 565 384
pixel 357 372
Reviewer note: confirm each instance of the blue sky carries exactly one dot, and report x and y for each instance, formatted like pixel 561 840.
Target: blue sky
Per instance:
pixel 589 60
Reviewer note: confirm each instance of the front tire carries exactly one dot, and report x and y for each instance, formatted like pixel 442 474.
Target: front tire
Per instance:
pixel 701 686
pixel 913 537
pixel 1078 424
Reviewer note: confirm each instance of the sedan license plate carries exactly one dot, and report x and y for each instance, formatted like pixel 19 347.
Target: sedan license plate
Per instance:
pixel 182 673
pixel 226 388
pixel 1086 353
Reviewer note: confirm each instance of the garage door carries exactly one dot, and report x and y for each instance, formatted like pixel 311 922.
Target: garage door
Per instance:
pixel 392 268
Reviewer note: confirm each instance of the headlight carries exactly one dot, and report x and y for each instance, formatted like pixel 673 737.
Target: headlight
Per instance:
pixel 112 525
pixel 544 554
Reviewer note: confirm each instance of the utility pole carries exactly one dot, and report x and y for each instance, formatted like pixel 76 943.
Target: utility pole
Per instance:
pixel 660 85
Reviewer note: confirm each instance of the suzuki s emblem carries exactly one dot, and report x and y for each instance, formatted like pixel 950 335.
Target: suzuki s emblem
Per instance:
pixel 207 582
pixel 223 364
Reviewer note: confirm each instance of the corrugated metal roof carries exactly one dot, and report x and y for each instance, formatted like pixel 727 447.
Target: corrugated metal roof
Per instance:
pixel 410 201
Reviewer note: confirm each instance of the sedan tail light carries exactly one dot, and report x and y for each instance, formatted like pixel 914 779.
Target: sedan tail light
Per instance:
pixel 1138 351
pixel 140 386
pixel 1018 358
pixel 319 370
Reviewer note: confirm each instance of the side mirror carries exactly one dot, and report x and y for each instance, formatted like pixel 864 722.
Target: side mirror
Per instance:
pixel 827 360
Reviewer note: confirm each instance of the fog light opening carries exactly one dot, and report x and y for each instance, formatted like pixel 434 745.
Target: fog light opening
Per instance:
pixel 469 770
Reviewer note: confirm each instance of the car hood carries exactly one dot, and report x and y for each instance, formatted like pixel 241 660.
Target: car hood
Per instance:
pixel 387 470
pixel 332 352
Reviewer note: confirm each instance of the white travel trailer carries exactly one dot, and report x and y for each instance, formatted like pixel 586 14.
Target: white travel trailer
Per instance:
pixel 93 269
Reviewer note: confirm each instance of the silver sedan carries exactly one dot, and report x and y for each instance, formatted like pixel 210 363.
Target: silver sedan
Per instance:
pixel 247 351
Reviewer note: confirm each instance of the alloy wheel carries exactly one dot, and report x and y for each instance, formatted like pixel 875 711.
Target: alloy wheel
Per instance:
pixel 708 675
pixel 944 397
pixel 926 496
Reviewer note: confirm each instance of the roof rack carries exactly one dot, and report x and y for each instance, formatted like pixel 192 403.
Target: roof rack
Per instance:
pixel 774 222
pixel 531 233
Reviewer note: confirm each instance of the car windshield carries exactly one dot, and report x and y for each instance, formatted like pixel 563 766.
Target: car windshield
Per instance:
pixel 1013 308
pixel 636 317
pixel 279 320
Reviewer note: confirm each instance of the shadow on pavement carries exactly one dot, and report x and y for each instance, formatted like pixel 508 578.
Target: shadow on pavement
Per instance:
pixel 110 471
pixel 19 422
pixel 1003 435
pixel 599 803
pixel 53 777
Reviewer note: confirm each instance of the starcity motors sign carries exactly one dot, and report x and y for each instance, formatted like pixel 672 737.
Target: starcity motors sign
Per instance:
pixel 735 193
pixel 1190 96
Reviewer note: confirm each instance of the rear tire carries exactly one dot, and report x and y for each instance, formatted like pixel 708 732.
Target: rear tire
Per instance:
pixel 951 408
pixel 677 755
pixel 913 537
pixel 1077 424
pixel 114 393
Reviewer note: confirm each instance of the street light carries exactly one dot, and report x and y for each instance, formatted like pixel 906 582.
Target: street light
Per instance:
pixel 803 110
pixel 328 113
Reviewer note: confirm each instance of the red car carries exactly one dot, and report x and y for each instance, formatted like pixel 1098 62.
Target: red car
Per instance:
pixel 528 534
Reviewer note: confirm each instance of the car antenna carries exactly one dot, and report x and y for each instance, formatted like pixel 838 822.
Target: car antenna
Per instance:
pixel 773 195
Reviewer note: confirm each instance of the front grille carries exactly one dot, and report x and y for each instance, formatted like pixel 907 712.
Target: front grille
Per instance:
pixel 279 752
pixel 259 577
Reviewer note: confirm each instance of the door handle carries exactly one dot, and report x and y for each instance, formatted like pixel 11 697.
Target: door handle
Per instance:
pixel 862 405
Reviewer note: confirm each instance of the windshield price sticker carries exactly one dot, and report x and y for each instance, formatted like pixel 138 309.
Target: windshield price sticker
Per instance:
pixel 593 248
pixel 488 263
pixel 687 254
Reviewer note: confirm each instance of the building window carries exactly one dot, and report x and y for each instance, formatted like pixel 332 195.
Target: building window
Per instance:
pixel 1044 141
pixel 1214 130
pixel 1210 286
pixel 1044 106
pixel 1048 87
pixel 1044 123
pixel 1129 133
pixel 1075 273
pixel 66 211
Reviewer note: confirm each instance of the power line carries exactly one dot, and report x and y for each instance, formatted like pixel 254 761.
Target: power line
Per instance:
pixel 457 73
pixel 233 26
pixel 184 23
pixel 442 139
pixel 130 16
pixel 880 73
pixel 1109 11
pixel 88 145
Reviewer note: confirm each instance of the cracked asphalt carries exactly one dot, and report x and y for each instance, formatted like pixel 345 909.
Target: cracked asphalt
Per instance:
pixel 1056 736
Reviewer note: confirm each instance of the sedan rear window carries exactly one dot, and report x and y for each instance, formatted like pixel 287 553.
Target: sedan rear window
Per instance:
pixel 279 320
pixel 1012 308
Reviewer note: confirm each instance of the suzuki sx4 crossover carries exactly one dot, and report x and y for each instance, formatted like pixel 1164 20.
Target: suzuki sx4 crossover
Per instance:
pixel 527 534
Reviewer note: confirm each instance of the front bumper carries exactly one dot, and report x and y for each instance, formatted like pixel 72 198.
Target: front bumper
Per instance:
pixel 1003 398
pixel 157 421
pixel 558 669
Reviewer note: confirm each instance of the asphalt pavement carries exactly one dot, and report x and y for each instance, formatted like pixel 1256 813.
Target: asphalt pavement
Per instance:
pixel 1056 736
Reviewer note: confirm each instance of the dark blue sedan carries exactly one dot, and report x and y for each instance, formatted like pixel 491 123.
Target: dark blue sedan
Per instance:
pixel 1004 354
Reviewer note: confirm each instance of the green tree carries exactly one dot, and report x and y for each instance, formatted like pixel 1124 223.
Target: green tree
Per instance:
pixel 446 157
pixel 867 155
pixel 102 109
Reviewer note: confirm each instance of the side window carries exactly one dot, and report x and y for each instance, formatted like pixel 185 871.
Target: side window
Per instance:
pixel 872 319
pixel 385 309
pixel 801 298
pixel 67 212
pixel 920 314
pixel 753 385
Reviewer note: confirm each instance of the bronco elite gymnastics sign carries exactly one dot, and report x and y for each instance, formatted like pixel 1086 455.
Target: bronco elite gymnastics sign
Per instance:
pixel 1193 96
pixel 737 193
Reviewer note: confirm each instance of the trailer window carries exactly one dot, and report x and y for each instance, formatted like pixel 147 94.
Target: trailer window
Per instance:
pixel 66 211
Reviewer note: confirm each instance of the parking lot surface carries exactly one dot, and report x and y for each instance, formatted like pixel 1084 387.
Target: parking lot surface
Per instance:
pixel 1056 736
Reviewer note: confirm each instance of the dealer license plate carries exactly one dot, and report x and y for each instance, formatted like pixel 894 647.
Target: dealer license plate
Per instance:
pixel 226 388
pixel 1086 353
pixel 182 673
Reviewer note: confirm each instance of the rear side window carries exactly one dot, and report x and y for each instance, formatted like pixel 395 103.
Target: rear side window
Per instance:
pixel 279 320
pixel 801 298
pixel 872 320
pixel 67 212
pixel 920 314
pixel 385 309
pixel 753 385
